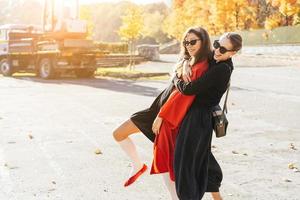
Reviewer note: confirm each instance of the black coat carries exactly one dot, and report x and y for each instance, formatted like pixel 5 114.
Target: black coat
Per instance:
pixel 196 170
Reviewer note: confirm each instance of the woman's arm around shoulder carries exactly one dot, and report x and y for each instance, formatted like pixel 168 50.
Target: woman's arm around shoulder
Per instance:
pixel 218 74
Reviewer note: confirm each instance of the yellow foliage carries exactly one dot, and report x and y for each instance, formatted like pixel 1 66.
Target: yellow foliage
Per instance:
pixel 152 24
pixel 218 16
pixel 173 25
pixel 132 24
pixel 272 21
pixel 86 14
pixel 287 8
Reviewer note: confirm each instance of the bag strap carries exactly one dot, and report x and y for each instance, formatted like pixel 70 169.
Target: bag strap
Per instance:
pixel 226 97
pixel 225 101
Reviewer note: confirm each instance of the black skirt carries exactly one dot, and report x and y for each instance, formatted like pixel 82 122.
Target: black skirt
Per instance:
pixel 145 118
pixel 196 169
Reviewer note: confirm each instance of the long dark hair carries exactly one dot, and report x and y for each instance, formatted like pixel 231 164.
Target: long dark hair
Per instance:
pixel 205 51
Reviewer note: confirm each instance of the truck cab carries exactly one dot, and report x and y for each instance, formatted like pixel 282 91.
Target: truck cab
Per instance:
pixel 17 45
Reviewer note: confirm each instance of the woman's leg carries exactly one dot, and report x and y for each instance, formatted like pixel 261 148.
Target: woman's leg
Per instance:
pixel 121 136
pixel 215 177
pixel 170 186
pixel 216 196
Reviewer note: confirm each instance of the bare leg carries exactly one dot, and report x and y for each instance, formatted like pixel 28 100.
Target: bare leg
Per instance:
pixel 124 130
pixel 216 196
pixel 121 136
pixel 170 186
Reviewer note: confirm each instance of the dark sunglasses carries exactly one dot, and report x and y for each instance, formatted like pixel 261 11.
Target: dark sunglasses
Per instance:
pixel 222 49
pixel 192 42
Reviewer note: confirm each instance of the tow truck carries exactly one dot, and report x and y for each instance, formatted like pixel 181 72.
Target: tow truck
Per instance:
pixel 59 46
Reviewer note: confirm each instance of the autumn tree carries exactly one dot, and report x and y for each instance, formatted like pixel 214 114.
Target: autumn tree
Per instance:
pixel 287 13
pixel 289 9
pixel 154 15
pixel 86 14
pixel 132 26
pixel 244 14
pixel 216 16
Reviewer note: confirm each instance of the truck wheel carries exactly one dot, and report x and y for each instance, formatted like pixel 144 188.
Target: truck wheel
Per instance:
pixel 46 69
pixel 5 67
pixel 84 73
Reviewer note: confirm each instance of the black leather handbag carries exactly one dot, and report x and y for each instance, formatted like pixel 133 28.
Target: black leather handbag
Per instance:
pixel 220 121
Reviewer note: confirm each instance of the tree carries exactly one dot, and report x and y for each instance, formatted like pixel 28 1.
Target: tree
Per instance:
pixel 131 29
pixel 86 14
pixel 152 25
pixel 216 16
pixel 273 21
pixel 288 8
pixel 132 24
pixel 173 25
pixel 287 13
pixel 244 14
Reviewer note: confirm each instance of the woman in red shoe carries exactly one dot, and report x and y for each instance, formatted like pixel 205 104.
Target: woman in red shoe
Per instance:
pixel 142 121
pixel 197 49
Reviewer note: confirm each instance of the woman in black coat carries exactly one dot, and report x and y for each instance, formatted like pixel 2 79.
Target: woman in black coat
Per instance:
pixel 193 156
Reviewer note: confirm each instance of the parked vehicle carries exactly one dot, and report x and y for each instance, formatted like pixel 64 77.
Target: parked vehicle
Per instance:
pixel 61 45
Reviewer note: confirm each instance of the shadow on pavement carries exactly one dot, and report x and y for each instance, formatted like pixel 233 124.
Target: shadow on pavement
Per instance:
pixel 124 86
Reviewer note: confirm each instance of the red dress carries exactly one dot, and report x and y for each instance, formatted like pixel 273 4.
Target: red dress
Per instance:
pixel 172 112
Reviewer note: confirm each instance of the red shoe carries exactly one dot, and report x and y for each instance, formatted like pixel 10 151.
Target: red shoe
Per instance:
pixel 133 178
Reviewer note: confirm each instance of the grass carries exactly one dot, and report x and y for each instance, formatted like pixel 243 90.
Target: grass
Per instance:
pixel 117 72
pixel 125 73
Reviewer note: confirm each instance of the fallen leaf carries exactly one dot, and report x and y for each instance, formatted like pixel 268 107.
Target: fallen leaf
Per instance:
pixel 53 182
pixel 245 154
pixel 13 167
pixel 288 180
pixel 292 146
pixel 213 146
pixel 235 152
pixel 10 167
pixel 98 151
pixel 30 136
pixel 292 166
pixel 51 190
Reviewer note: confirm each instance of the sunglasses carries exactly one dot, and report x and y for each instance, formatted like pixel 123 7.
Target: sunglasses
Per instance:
pixel 192 42
pixel 222 49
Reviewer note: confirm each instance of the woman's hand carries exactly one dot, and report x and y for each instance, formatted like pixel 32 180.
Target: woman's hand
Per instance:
pixel 186 71
pixel 156 125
